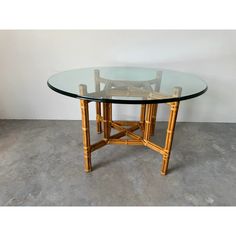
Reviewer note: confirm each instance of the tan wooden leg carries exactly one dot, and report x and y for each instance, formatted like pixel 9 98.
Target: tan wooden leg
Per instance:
pixel 107 120
pixel 154 115
pixel 142 116
pixel 86 135
pixel 169 137
pixel 110 117
pixel 98 117
pixel 148 122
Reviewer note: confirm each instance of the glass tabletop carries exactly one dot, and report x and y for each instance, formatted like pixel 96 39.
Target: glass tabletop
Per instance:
pixel 127 85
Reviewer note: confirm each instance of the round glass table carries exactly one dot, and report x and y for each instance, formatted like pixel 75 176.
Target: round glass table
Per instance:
pixel 127 85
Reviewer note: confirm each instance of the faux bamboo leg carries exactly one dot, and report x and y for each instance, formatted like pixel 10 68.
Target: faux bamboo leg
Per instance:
pixel 110 117
pixel 154 115
pixel 98 116
pixel 107 120
pixel 86 135
pixel 169 137
pixel 170 131
pixel 142 116
pixel 148 122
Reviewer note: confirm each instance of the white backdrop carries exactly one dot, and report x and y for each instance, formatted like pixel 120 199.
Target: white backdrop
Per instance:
pixel 28 58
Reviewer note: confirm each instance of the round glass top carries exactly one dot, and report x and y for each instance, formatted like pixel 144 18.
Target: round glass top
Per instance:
pixel 127 85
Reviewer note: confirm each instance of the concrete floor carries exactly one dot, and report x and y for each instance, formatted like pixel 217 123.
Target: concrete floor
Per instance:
pixel 41 164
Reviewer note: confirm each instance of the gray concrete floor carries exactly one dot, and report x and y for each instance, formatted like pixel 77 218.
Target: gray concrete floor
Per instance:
pixel 41 164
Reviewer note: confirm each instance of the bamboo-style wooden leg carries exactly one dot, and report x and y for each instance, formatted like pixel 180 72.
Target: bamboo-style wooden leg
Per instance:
pixel 107 120
pixel 110 117
pixel 154 115
pixel 142 116
pixel 148 122
pixel 169 137
pixel 86 135
pixel 98 117
pixel 170 131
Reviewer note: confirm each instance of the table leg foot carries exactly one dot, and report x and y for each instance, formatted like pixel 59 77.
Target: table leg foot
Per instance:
pixel 87 164
pixel 165 162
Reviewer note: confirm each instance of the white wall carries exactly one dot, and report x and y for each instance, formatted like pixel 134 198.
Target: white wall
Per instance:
pixel 28 58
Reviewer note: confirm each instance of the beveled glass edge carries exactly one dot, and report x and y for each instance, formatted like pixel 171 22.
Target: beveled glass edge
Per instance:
pixel 120 101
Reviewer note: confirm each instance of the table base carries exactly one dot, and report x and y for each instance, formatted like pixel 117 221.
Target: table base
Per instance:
pixel 146 124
